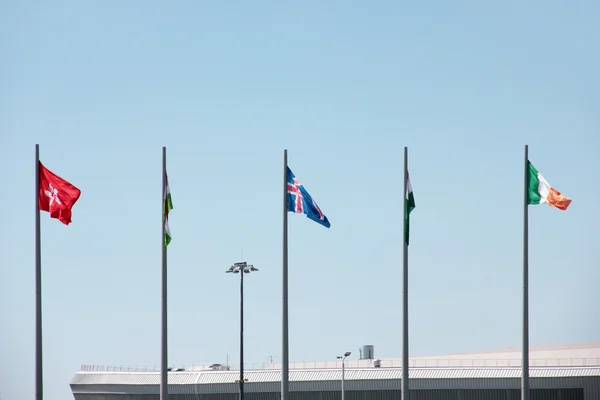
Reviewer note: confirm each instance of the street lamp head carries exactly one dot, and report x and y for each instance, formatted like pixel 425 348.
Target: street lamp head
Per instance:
pixel 347 354
pixel 241 267
pixel 339 357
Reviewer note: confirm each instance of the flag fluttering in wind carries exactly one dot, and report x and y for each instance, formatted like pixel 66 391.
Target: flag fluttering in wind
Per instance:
pixel 56 196
pixel 410 205
pixel 541 192
pixel 168 206
pixel 300 202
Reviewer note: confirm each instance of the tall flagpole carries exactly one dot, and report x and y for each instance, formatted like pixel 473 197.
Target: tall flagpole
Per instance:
pixel 525 346
pixel 164 390
pixel 405 387
pixel 284 295
pixel 38 283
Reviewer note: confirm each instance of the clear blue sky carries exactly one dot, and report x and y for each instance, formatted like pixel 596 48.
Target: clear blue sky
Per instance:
pixel 344 85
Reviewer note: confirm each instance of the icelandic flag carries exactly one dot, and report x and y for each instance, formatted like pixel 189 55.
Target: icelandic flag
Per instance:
pixel 300 202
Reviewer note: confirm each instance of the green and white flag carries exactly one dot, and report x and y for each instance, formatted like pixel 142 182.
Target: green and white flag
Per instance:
pixel 410 205
pixel 167 207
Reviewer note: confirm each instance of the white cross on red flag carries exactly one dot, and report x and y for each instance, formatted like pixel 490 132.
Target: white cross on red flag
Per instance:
pixel 56 196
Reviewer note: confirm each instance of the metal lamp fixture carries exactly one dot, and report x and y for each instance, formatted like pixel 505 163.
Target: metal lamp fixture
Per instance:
pixel 343 358
pixel 241 268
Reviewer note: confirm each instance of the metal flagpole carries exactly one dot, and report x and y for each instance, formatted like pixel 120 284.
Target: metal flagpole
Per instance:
pixel 164 390
pixel 38 283
pixel 405 386
pixel 242 272
pixel 525 346
pixel 284 296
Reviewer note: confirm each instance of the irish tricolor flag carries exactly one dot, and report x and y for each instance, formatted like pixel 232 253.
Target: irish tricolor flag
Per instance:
pixel 168 206
pixel 541 192
pixel 410 205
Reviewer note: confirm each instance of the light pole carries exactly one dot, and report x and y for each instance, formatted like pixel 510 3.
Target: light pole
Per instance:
pixel 343 358
pixel 241 268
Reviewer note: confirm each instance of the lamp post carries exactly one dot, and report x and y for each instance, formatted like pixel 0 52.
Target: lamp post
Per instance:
pixel 241 268
pixel 343 358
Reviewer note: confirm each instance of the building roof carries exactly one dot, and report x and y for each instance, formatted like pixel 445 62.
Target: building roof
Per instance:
pixel 230 377
pixel 571 360
pixel 564 366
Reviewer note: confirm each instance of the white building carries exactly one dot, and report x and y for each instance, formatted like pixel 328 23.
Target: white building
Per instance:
pixel 565 372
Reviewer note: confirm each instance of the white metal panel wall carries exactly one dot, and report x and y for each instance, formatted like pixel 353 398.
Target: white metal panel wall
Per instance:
pixel 435 394
pixel 591 386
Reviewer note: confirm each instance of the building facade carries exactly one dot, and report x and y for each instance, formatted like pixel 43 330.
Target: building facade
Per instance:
pixel 556 373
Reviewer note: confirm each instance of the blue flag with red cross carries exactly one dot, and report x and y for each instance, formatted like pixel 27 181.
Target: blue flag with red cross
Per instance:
pixel 300 202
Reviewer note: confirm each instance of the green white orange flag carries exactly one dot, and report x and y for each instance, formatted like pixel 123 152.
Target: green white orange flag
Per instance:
pixel 168 206
pixel 541 192
pixel 410 205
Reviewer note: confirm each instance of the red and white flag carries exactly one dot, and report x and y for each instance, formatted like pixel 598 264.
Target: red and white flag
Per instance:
pixel 57 196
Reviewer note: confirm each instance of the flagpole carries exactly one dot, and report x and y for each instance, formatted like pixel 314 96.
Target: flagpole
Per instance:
pixel 525 346
pixel 38 283
pixel 284 296
pixel 405 386
pixel 164 391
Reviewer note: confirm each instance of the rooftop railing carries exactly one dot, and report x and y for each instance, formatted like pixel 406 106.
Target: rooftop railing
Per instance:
pixel 389 363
